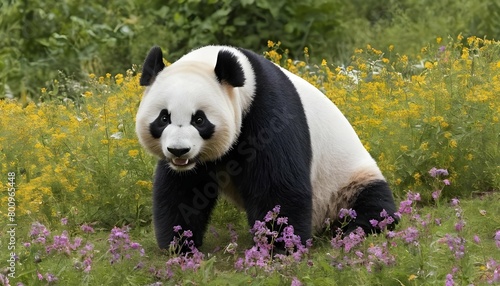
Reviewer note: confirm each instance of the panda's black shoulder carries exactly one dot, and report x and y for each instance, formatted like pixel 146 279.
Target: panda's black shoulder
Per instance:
pixel 268 76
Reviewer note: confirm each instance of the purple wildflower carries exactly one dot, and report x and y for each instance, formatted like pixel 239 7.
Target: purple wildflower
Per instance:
pixel 354 238
pixel 187 234
pixel 413 196
pixel 190 260
pixel 261 254
pixel 50 277
pixel 455 202
pixel 269 216
pixel 446 182
pixel 62 243
pixel 493 266
pixel 410 235
pixel 436 194
pixel 296 282
pixel 405 207
pixel 434 172
pixel 4 280
pixel 456 245
pixel 238 265
pixel 477 239
pixel 347 213
pixel 459 226
pixel 39 233
pixel 87 228
pixel 449 280
pixel 177 228
pixel 282 221
pixel 276 209
pixel 120 245
pixel 64 221
pixel 380 254
pixel 386 220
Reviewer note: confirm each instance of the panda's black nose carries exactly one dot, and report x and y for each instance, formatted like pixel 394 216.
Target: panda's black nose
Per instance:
pixel 178 151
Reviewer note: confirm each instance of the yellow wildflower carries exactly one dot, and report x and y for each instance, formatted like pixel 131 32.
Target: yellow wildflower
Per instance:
pixel 424 146
pixel 465 53
pixel 453 143
pixel 133 153
pixel 119 78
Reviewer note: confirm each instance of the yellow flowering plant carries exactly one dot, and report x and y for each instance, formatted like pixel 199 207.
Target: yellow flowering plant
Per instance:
pixel 76 149
pixel 79 153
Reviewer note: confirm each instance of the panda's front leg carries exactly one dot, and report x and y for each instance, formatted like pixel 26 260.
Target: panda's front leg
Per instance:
pixel 184 199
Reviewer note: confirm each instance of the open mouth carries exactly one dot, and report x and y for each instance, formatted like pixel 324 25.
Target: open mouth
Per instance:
pixel 182 163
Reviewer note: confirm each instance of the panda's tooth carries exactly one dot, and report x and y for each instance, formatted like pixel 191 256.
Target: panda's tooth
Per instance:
pixel 180 162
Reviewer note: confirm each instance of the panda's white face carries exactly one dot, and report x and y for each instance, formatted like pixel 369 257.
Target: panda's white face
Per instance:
pixel 187 116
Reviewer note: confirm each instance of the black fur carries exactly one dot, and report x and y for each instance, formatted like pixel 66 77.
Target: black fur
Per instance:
pixel 156 127
pixel 229 70
pixel 152 66
pixel 369 204
pixel 184 199
pixel 274 150
pixel 204 127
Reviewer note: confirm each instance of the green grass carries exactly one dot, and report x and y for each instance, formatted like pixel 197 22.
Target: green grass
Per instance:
pixel 426 262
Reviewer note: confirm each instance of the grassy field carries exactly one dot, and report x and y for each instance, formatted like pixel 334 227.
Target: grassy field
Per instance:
pixel 79 185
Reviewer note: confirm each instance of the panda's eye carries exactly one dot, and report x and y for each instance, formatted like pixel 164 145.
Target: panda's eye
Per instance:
pixel 199 120
pixel 165 119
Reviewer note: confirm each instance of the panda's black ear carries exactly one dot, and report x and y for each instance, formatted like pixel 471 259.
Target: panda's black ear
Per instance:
pixel 228 69
pixel 152 66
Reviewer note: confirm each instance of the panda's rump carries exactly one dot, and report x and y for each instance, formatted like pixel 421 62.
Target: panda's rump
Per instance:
pixel 340 164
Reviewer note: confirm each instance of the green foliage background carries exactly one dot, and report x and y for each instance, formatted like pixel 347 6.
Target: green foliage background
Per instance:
pixel 40 38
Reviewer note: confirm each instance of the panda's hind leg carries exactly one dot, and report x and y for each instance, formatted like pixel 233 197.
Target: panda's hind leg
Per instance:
pixel 371 201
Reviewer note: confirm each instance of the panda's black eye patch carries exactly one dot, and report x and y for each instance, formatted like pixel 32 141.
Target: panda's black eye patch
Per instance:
pixel 156 127
pixel 200 121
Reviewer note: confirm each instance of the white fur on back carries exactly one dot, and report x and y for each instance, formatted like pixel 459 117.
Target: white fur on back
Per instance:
pixel 338 155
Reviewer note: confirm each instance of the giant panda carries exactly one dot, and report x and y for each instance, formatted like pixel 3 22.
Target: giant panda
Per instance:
pixel 226 121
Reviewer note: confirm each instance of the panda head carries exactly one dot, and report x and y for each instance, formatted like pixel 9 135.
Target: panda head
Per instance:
pixel 191 111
